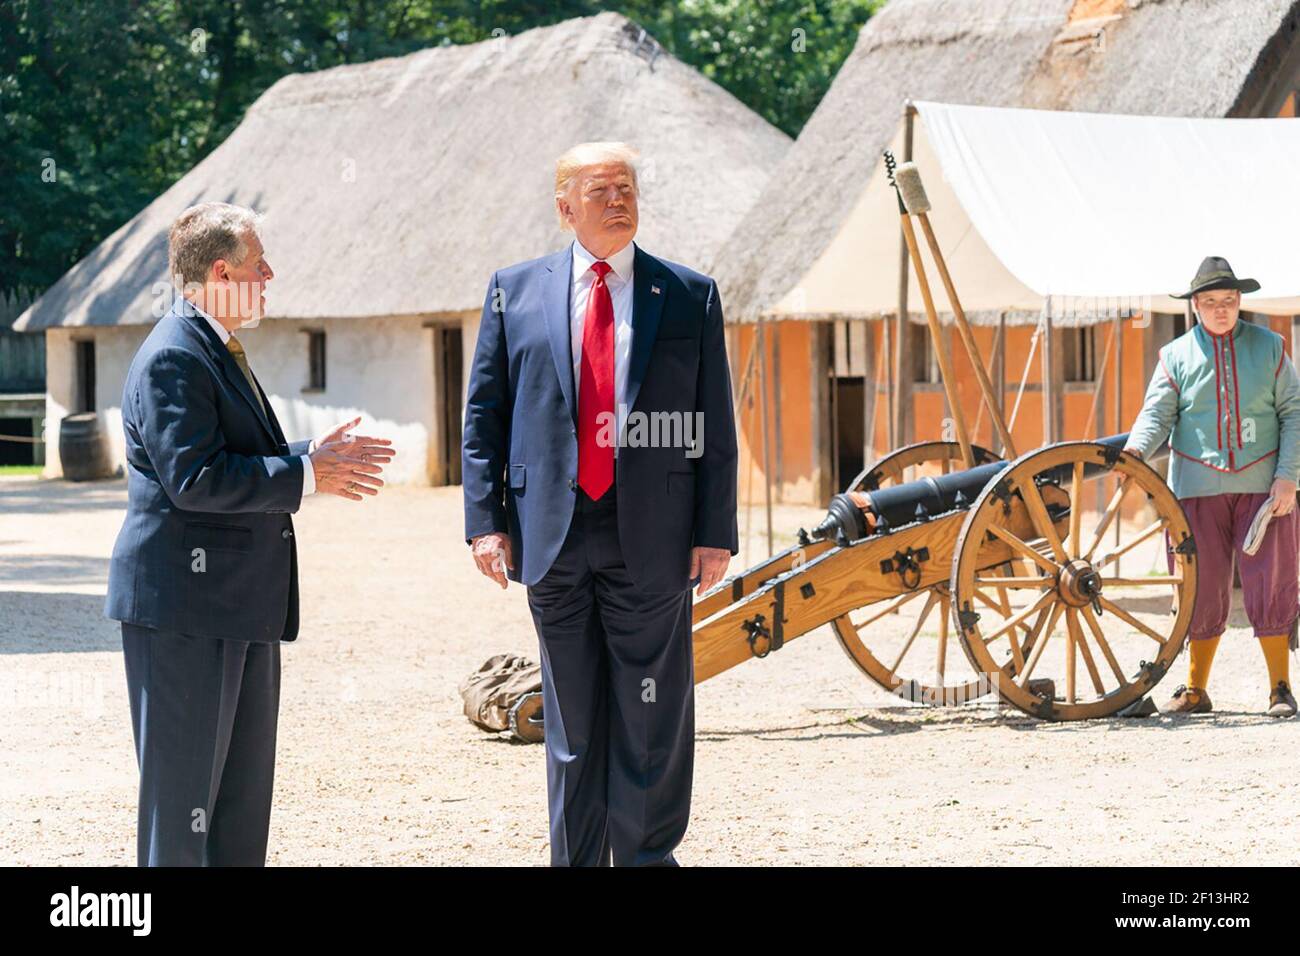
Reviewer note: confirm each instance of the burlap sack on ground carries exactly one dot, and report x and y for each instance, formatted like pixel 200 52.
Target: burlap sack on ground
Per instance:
pixel 494 688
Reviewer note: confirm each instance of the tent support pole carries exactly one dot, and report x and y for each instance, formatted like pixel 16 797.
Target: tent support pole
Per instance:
pixel 1000 369
pixel 1024 373
pixel 1049 380
pixel 900 354
pixel 998 385
pixel 767 458
pixel 936 339
pixel 870 377
pixel 1119 407
pixel 968 340
pixel 887 353
pixel 1094 420
pixel 778 442
pixel 740 413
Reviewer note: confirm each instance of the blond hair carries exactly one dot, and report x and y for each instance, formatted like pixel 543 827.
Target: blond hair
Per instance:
pixel 205 233
pixel 578 158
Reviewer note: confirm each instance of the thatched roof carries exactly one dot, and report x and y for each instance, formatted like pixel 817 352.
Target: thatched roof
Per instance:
pixel 1147 57
pixel 1206 58
pixel 396 187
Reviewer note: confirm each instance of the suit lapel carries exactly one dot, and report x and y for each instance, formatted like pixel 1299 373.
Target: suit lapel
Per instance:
pixel 555 307
pixel 649 289
pixel 226 362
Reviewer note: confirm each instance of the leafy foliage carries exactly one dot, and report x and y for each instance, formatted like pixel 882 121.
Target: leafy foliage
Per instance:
pixel 106 103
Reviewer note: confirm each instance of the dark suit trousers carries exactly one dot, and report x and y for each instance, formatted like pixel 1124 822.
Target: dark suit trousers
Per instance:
pixel 204 713
pixel 618 698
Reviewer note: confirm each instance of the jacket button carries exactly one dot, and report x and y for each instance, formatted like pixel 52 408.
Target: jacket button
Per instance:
pixel 286 534
pixel 572 484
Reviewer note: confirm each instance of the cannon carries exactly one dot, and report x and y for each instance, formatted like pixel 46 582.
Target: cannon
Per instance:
pixel 1004 562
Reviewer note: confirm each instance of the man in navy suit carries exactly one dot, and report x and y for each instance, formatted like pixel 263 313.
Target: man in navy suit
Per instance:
pixel 204 575
pixel 599 469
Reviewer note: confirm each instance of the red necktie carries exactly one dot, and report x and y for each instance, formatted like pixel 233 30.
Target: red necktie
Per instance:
pixel 596 389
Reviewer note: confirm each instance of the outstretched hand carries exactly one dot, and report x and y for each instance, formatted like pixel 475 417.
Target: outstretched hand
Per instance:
pixel 349 465
pixel 376 451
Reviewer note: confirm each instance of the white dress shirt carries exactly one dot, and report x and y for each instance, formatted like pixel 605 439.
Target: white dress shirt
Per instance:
pixel 308 472
pixel 619 282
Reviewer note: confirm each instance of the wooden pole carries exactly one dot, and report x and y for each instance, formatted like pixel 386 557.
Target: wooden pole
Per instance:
pixel 968 340
pixel 885 350
pixel 1049 431
pixel 767 460
pixel 740 411
pixel 868 393
pixel 1119 410
pixel 833 394
pixel 778 434
pixel 1000 367
pixel 1024 373
pixel 1094 411
pixel 1118 334
pixel 744 378
pixel 901 359
pixel 936 338
pixel 879 363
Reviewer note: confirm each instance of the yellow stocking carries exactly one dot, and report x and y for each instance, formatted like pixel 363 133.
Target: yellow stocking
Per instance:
pixel 1201 656
pixel 1275 655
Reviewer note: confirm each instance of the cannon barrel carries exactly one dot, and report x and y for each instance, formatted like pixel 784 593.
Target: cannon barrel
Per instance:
pixel 854 515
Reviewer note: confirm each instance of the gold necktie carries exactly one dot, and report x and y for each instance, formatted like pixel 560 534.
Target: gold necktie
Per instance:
pixel 241 360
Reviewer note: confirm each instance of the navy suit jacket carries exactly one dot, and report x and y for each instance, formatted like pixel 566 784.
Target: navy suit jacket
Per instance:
pixel 207 547
pixel 520 446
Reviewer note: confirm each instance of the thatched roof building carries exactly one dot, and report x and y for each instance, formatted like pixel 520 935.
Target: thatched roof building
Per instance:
pixel 392 191
pixel 394 188
pixel 1147 57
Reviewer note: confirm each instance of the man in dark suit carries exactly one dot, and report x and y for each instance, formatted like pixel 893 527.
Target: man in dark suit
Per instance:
pixel 599 469
pixel 204 575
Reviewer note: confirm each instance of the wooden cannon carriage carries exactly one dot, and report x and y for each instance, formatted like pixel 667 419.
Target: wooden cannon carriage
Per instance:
pixel 998 552
pixel 1003 562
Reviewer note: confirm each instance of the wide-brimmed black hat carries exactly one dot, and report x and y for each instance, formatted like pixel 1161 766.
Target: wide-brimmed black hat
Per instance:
pixel 1215 273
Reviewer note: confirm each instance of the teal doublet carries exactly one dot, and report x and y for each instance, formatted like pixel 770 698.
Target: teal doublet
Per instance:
pixel 1229 405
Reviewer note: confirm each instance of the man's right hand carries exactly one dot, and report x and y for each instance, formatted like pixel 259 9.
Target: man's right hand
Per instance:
pixel 492 555
pixel 339 474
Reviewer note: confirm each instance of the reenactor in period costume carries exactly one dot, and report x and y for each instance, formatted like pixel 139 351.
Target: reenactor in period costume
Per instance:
pixel 1227 396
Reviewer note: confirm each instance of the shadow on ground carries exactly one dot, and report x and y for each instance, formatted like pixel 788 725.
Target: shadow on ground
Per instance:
pixel 26 623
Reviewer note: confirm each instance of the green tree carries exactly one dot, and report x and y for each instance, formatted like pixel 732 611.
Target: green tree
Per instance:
pixel 106 103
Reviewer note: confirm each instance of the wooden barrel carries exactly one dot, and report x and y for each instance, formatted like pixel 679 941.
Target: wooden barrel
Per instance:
pixel 83 448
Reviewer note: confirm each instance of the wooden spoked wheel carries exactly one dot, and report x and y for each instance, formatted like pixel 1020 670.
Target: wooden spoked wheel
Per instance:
pixel 914 667
pixel 925 457
pixel 1076 606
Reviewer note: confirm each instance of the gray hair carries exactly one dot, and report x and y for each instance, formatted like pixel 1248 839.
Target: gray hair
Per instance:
pixel 205 233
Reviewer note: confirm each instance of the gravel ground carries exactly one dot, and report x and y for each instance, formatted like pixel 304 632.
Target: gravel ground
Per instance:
pixel 799 759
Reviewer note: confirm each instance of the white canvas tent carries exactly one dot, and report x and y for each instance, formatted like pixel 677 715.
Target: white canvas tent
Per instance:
pixel 1096 211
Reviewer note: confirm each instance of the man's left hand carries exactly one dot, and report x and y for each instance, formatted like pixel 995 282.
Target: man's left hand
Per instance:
pixel 1283 495
pixel 710 565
